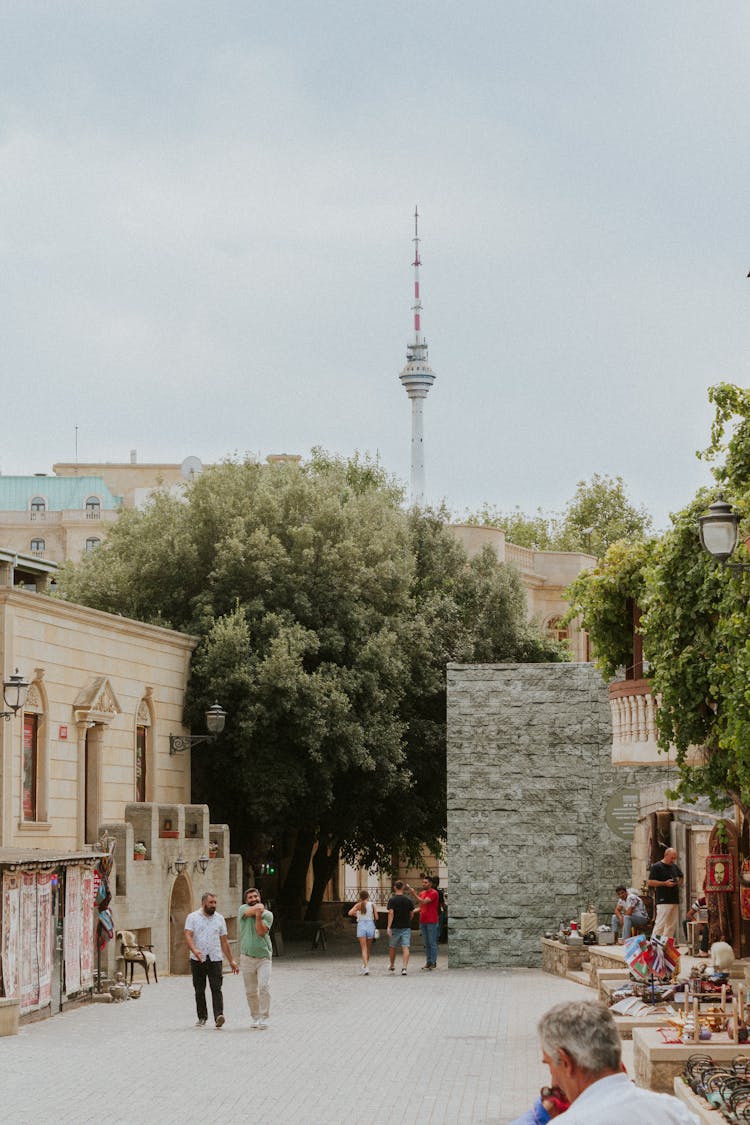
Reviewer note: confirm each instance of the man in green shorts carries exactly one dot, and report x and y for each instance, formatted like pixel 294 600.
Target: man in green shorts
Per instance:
pixel 255 956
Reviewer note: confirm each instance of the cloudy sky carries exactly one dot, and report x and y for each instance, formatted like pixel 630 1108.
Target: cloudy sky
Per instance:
pixel 206 214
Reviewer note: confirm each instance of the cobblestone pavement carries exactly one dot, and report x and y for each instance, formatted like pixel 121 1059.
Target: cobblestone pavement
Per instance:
pixel 450 1046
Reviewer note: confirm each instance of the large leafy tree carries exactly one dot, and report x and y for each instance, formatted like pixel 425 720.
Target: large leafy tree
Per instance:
pixel 598 515
pixel 326 614
pixel 695 624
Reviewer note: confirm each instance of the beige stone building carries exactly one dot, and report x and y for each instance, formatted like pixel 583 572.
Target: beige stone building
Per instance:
pixel 87 756
pixel 545 576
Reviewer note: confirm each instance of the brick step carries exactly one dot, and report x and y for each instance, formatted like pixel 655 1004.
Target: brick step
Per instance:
pixel 578 977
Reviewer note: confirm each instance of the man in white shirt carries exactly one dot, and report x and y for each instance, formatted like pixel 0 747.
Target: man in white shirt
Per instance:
pixel 206 937
pixel 581 1047
pixel 630 911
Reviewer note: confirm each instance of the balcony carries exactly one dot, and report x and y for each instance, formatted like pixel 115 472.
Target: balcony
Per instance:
pixel 634 731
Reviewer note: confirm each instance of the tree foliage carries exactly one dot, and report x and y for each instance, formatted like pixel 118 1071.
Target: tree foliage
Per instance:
pixel 696 622
pixel 326 615
pixel 603 597
pixel 598 515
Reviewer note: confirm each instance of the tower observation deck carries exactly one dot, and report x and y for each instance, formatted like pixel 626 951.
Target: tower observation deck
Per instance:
pixel 417 377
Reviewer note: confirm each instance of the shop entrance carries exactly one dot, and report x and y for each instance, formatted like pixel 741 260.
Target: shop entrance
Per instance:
pixel 180 905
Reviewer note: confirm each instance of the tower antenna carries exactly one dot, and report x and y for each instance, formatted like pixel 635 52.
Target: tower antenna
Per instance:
pixel 417 378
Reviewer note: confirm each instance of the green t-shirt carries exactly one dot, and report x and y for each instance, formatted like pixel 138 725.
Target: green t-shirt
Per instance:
pixel 251 943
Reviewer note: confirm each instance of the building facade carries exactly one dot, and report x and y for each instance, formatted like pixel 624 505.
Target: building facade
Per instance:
pixel 85 766
pixel 545 576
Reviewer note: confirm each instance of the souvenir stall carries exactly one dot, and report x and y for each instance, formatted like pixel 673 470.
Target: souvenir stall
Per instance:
pixel 47 923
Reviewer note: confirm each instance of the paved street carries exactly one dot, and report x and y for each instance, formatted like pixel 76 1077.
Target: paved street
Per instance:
pixel 438 1048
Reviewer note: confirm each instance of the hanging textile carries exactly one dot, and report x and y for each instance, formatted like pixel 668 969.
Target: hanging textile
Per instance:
pixel 11 918
pixel 105 927
pixel 72 930
pixel 28 963
pixel 87 928
pixel 44 936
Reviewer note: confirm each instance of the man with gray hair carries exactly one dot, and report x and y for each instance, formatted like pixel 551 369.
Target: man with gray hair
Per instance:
pixel 581 1047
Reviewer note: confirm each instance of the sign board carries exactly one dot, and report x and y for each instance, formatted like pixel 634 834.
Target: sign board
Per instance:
pixel 621 813
pixel 62 732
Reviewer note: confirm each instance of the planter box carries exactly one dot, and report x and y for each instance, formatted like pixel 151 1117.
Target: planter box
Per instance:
pixel 139 856
pixel 9 1011
pixel 169 834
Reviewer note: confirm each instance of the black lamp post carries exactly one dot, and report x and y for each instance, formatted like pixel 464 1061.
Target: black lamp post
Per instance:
pixel 215 719
pixel 15 690
pixel 719 528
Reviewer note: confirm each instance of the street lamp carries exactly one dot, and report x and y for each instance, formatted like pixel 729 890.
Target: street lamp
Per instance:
pixel 15 690
pixel 719 528
pixel 215 719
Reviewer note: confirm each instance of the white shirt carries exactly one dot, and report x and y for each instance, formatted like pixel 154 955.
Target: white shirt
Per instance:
pixel 634 902
pixel 207 931
pixel 615 1100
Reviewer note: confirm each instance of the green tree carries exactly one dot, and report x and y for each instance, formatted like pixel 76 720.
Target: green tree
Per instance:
pixel 325 615
pixel 598 515
pixel 603 598
pixel 696 623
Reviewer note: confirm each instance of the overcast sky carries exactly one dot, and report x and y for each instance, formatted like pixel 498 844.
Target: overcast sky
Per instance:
pixel 205 224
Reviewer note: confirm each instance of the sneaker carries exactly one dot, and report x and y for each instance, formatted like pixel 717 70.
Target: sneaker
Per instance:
pixel 366 971
pixel 426 969
pixel 261 1025
pixel 391 968
pixel 220 1021
pixel 403 972
pixel 200 1023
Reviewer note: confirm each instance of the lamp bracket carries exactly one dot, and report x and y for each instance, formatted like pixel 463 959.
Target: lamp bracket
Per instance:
pixel 180 742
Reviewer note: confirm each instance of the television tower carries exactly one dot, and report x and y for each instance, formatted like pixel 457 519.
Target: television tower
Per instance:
pixel 417 378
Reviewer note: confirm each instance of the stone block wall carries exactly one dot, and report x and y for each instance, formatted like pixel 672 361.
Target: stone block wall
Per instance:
pixel 529 777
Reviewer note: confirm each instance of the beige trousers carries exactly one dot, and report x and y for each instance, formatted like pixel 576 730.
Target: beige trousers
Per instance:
pixel 667 917
pixel 256 973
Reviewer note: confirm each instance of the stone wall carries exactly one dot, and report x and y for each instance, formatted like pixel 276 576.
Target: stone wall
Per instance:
pixel 529 777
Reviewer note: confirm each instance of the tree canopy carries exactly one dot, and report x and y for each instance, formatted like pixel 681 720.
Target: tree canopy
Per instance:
pixel 695 623
pixel 598 515
pixel 326 614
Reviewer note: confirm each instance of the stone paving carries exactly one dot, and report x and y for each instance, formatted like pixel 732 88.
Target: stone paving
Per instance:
pixel 439 1048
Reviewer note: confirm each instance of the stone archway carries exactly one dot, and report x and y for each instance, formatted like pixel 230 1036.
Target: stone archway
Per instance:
pixel 180 905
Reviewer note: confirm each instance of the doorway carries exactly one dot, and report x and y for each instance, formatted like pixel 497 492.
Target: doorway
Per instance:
pixel 180 905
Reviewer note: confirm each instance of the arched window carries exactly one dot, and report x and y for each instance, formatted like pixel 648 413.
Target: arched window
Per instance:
pixel 142 749
pixel 93 508
pixel 92 544
pixel 556 630
pixel 37 547
pixel 37 508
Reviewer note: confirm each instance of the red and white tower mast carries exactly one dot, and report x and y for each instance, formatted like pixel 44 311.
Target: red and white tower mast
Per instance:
pixel 417 378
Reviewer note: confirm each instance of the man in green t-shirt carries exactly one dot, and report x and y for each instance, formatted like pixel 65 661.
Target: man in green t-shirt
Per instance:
pixel 255 956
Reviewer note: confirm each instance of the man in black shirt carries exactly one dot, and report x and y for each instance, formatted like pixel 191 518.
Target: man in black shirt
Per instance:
pixel 666 877
pixel 400 910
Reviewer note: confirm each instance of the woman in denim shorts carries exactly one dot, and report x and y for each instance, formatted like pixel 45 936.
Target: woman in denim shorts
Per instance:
pixel 364 912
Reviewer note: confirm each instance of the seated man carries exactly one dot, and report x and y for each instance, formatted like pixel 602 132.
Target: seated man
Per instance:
pixel 630 912
pixel 581 1046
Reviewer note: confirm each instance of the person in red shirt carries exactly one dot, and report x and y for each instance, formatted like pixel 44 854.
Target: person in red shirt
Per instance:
pixel 427 905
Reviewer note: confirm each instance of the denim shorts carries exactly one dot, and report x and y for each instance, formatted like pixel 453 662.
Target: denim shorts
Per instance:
pixel 365 928
pixel 400 937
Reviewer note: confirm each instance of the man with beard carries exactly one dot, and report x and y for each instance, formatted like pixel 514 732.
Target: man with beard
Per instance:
pixel 206 937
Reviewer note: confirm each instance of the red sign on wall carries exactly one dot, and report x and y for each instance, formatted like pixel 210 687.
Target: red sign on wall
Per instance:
pixel 62 732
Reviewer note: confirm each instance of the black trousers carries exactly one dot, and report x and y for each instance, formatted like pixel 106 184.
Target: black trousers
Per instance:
pixel 207 971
